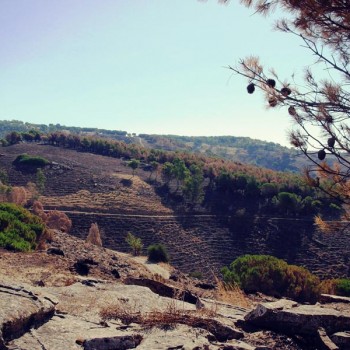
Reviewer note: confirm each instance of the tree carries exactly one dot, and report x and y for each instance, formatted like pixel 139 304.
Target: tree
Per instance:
pixel 40 180
pixel 288 202
pixel 180 171
pixel 134 164
pixel 168 171
pixel 13 138
pixel 193 185
pixel 135 243
pixel 154 168
pixel 320 108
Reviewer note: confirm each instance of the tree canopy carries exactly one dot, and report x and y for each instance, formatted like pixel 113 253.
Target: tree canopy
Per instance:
pixel 320 107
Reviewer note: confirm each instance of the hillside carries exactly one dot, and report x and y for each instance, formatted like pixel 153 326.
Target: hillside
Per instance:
pixel 240 149
pixel 94 188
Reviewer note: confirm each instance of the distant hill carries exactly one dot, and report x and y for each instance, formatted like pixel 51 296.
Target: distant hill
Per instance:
pixel 239 149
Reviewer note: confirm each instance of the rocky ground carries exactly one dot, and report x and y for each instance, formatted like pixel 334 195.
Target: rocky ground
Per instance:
pixel 74 295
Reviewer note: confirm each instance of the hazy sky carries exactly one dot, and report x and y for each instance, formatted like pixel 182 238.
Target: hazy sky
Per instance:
pixel 151 66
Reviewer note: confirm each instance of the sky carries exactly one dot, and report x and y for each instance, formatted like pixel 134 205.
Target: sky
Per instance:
pixel 144 66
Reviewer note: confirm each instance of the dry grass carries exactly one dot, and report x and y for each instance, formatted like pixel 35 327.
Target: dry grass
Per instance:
pixel 231 294
pixel 167 318
pixel 139 196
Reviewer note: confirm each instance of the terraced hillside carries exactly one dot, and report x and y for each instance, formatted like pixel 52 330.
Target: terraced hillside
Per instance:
pixel 94 188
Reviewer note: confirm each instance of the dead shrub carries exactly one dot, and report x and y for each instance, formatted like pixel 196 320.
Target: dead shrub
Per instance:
pixel 58 220
pixel 41 245
pixel 32 191
pixel 38 210
pixel 53 219
pixel 167 318
pixel 94 236
pixel 123 312
pixel 18 195
pixel 47 235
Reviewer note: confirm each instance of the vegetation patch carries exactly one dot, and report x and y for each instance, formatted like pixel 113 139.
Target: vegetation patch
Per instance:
pixel 30 161
pixel 157 253
pixel 336 286
pixel 19 229
pixel 272 276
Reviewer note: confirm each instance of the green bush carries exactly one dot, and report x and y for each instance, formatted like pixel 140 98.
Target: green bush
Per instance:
pixel 135 243
pixel 272 276
pixel 343 287
pixel 19 229
pixel 196 274
pixel 32 161
pixel 157 253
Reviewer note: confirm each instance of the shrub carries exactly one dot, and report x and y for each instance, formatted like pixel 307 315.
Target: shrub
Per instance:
pixel 32 161
pixel 135 243
pixel 4 177
pixel 336 286
pixel 343 287
pixel 19 229
pixel 58 220
pixel 157 253
pixel 18 195
pixel 272 276
pixel 196 274
pixel 94 236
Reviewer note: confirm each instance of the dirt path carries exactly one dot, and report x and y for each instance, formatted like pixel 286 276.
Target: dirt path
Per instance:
pixel 171 216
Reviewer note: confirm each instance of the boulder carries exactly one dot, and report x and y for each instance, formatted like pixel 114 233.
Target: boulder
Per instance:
pixel 329 298
pixel 55 251
pixel 288 317
pixel 341 339
pixel 163 289
pixel 22 309
pixel 324 341
pixel 112 343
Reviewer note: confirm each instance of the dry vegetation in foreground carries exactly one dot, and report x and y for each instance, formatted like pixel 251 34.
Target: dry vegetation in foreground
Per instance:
pixel 164 319
pixel 231 294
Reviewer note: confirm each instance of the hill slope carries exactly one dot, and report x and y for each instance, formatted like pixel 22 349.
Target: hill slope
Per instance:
pixel 240 149
pixel 92 188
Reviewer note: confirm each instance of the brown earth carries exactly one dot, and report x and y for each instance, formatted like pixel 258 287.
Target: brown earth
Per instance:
pixel 93 188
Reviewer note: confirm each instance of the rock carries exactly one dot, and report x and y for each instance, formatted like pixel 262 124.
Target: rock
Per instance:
pixel 20 310
pixel 89 261
pixel 89 282
pixel 237 345
pixel 112 343
pixel 325 342
pixel 82 266
pixel 328 298
pixel 289 318
pixel 342 339
pixel 115 273
pixel 163 289
pixel 207 286
pixel 55 251
pixel 221 331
